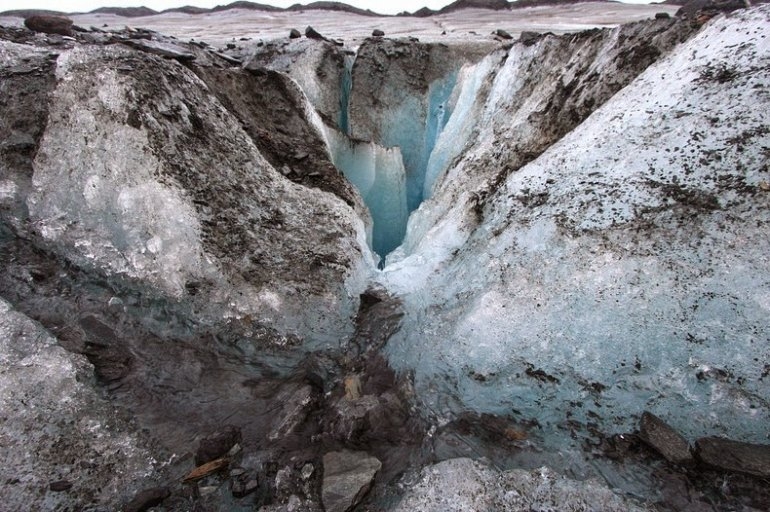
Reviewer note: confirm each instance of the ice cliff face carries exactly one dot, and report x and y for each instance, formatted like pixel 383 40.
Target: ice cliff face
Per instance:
pixel 156 181
pixel 622 269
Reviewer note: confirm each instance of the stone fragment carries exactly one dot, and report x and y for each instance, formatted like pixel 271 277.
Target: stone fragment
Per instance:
pixel 242 488
pixel 378 33
pixel 662 16
pixel 314 34
pixel 217 444
pixel 295 34
pixel 146 499
pixel 347 478
pixel 727 455
pixel 662 438
pixel 529 38
pixel 502 34
pixel 50 24
pixel 205 470
pixel 296 407
pixel 60 486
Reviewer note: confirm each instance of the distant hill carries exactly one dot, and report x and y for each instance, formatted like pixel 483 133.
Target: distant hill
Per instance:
pixel 27 13
pixel 475 4
pixel 188 9
pixel 246 5
pixel 127 12
pixel 519 4
pixel 333 6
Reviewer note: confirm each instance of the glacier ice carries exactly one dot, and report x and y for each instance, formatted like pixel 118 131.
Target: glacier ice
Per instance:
pixel 621 271
pixel 378 174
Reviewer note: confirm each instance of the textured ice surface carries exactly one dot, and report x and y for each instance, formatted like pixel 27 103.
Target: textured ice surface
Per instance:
pixel 56 426
pixel 623 270
pixel 463 485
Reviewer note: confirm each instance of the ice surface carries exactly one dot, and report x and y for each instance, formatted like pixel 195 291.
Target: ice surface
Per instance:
pixel 638 278
pixel 456 130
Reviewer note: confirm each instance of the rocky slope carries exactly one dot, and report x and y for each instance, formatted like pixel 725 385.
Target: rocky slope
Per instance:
pixel 586 242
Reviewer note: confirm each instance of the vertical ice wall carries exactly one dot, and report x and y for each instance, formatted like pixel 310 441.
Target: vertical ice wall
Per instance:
pixel 378 174
pixel 346 85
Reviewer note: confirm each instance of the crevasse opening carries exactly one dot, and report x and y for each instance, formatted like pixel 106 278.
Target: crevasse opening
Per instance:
pixel 390 173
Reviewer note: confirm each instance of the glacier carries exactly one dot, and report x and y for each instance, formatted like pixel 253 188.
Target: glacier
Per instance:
pixel 419 252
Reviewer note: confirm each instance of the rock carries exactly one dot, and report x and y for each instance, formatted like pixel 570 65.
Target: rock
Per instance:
pixel 144 500
pixel 207 469
pixel 60 486
pixel 295 34
pixel 50 24
pixel 529 38
pixel 297 405
pixel 347 478
pixel 242 488
pixel 378 33
pixel 502 34
pixel 662 16
pixel 727 455
pixel 664 439
pixel 314 34
pixel 217 444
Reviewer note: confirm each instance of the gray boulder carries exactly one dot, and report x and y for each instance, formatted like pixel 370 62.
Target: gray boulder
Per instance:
pixel 347 478
pixel 727 455
pixel 664 439
pixel 47 24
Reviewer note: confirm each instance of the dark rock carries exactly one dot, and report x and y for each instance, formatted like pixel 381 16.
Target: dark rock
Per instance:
pixel 727 455
pixel 217 444
pixel 314 34
pixel 347 478
pixel 295 34
pixel 694 8
pixel 148 498
pixel 378 33
pixel 60 486
pixel 297 405
pixel 243 487
pixel 529 38
pixel 664 439
pixel 662 16
pixel 502 34
pixel 50 25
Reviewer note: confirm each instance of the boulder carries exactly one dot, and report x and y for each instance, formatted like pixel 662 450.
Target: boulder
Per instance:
pixel 50 24
pixel 146 499
pixel 378 33
pixel 502 34
pixel 217 444
pixel 295 34
pixel 727 455
pixel 314 34
pixel 664 439
pixel 347 478
pixel 529 38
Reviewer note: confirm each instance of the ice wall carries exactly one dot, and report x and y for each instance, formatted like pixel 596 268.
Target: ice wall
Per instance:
pixel 346 85
pixel 378 174
pixel 624 269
